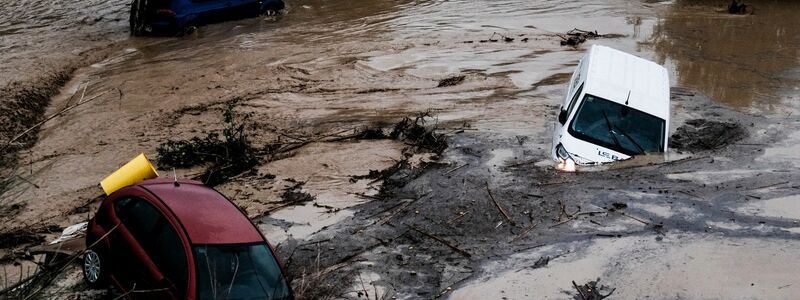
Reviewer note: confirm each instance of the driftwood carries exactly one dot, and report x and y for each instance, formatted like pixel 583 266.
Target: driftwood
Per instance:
pixel 500 207
pixel 442 241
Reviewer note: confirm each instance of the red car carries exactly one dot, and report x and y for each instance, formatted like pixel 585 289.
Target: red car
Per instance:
pixel 160 239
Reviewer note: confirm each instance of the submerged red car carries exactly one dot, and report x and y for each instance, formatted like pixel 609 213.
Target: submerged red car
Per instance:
pixel 164 239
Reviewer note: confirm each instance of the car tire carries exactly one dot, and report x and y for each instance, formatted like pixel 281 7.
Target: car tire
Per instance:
pixel 272 7
pixel 137 22
pixel 95 268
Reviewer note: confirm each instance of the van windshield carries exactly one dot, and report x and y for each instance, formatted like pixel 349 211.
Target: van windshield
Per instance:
pixel 617 127
pixel 239 271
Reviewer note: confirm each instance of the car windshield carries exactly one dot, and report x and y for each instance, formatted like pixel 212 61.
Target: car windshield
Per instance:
pixel 617 127
pixel 242 271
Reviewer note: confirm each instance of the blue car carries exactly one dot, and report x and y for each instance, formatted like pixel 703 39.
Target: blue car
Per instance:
pixel 172 16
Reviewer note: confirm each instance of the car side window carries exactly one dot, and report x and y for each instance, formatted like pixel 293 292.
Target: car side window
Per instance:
pixel 139 217
pixel 158 238
pixel 574 100
pixel 168 254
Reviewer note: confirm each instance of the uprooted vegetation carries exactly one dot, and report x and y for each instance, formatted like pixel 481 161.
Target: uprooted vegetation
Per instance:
pixel 227 153
pixel 230 152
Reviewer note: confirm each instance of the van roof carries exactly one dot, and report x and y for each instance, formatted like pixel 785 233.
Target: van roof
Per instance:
pixel 613 74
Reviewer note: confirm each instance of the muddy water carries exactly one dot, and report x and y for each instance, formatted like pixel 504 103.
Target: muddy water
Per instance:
pixel 332 65
pixel 40 36
pixel 740 60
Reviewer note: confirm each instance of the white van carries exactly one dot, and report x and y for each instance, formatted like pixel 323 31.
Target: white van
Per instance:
pixel 616 106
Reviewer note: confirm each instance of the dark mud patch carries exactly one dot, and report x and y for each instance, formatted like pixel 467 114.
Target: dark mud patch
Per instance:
pixel 19 237
pixel 703 135
pixel 451 81
pixel 554 79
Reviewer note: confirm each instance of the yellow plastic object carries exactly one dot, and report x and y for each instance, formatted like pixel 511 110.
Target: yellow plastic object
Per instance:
pixel 138 169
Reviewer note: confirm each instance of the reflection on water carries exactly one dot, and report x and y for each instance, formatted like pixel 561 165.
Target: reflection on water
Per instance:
pixel 740 60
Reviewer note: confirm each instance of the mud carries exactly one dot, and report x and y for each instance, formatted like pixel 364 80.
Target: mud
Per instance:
pixel 439 221
pixel 700 134
pixel 328 70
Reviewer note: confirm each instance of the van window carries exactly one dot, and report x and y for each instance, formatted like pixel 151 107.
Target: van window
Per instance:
pixel 574 99
pixel 617 127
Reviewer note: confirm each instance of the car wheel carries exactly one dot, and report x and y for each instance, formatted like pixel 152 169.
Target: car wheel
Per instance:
pixel 137 17
pixel 95 269
pixel 271 7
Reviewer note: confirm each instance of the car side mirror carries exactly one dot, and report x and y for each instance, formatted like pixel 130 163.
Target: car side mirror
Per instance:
pixel 562 117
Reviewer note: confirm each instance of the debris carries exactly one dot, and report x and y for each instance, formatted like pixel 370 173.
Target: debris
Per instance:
pixel 71 232
pixel 505 38
pixel 294 195
pixel 619 205
pixel 451 81
pixel 460 215
pixel 401 208
pixel 455 169
pixel 442 241
pixel 524 233
pixel 499 207
pixel 590 290
pixel 702 134
pixel 577 36
pixel 541 262
pixel 414 132
pixel 226 156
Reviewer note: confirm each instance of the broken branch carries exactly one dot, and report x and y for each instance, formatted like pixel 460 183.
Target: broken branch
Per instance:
pixel 499 207
pixel 442 241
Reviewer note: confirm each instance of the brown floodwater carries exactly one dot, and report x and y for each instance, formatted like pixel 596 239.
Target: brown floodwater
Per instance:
pixel 331 64
pixel 747 61
pixel 741 60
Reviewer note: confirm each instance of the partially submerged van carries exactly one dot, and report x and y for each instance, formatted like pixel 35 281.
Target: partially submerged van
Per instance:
pixel 616 106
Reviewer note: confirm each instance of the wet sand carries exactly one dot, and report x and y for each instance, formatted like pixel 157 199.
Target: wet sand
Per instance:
pixel 331 66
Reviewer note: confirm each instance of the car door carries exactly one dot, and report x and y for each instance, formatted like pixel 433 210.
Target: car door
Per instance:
pixel 169 254
pixel 135 269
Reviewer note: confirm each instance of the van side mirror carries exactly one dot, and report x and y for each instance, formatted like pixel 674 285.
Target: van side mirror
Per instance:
pixel 562 116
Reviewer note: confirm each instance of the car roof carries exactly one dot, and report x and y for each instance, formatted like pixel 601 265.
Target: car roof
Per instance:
pixel 612 74
pixel 207 216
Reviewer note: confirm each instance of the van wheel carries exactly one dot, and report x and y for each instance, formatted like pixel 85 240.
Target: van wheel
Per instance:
pixel 95 269
pixel 137 21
